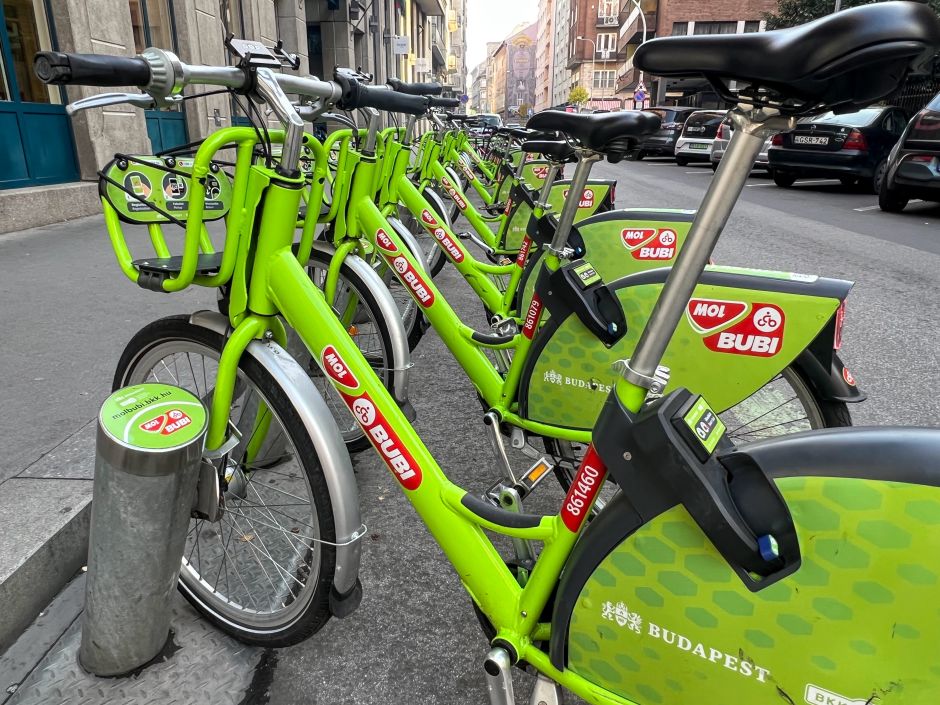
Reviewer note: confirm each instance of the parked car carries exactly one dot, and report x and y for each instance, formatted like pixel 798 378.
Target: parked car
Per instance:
pixel 914 164
pixel 490 119
pixel 698 133
pixel 722 139
pixel 852 147
pixel 662 143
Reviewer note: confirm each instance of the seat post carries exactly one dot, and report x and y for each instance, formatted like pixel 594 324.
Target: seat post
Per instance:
pixel 547 185
pixel 733 169
pixel 582 171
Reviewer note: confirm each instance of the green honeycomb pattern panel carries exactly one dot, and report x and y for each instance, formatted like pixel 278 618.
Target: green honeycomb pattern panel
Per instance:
pixel 518 225
pixel 857 628
pixel 573 376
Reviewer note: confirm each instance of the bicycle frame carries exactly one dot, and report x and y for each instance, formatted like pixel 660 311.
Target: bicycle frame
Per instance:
pixel 277 284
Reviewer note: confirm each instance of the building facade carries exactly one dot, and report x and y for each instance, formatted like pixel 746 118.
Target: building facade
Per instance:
pixel 51 160
pixel 679 17
pixel 544 55
pixel 561 76
pixel 513 80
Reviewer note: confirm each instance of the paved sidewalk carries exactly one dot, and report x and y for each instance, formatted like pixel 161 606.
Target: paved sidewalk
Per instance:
pixel 67 314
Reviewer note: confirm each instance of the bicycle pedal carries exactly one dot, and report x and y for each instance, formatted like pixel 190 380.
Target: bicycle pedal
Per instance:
pixel 463 235
pixel 504 261
pixel 541 469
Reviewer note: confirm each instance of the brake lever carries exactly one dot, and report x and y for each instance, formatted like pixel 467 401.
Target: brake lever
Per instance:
pixel 138 100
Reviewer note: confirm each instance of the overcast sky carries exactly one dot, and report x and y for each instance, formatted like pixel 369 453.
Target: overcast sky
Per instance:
pixel 491 21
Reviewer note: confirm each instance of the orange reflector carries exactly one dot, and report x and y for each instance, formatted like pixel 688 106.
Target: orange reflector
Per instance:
pixel 353 330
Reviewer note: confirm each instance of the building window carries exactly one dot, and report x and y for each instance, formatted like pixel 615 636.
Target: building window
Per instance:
pixel 606 43
pixel 608 10
pixel 152 24
pixel 680 29
pixel 752 26
pixel 604 79
pixel 715 28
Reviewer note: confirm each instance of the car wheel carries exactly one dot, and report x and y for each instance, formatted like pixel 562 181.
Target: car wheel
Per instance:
pixel 637 155
pixel 714 166
pixel 890 201
pixel 682 161
pixel 879 176
pixel 782 179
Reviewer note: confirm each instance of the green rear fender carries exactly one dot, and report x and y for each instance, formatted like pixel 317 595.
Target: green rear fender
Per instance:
pixel 740 329
pixel 650 611
pixel 619 243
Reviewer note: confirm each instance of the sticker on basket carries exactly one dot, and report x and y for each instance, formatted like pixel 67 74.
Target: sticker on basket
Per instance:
pixel 707 315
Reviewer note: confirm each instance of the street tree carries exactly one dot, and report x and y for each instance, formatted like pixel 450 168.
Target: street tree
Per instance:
pixel 578 95
pixel 793 12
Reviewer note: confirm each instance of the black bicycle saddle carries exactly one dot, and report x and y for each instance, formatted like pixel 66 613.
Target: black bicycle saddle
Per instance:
pixel 840 62
pixel 613 134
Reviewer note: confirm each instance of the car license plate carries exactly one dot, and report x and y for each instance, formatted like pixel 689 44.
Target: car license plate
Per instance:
pixel 698 145
pixel 807 139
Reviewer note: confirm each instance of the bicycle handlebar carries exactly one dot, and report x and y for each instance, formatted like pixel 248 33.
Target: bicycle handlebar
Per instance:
pixel 61 69
pixel 355 95
pixel 400 86
pixel 443 103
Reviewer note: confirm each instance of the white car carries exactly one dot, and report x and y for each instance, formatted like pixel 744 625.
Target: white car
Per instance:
pixel 698 133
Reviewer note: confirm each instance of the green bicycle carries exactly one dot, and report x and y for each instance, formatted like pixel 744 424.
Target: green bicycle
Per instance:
pixel 722 569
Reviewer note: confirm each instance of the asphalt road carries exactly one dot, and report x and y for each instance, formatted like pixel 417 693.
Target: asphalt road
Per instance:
pixel 67 312
pixel 415 638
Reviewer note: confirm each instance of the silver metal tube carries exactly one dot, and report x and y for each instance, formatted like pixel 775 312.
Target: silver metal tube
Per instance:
pixel 547 185
pixel 409 129
pixel 581 173
pixel 372 130
pixel 268 88
pixel 313 87
pixel 723 192
pixel 148 452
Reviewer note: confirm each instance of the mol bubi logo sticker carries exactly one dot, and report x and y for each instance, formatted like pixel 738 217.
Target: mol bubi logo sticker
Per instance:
pixel 336 368
pixel 380 432
pixel 650 244
pixel 410 276
pixel 540 172
pixel 433 227
pixel 707 315
pixel 759 333
pixel 454 194
pixel 587 198
pixel 385 242
pixel 167 423
pixel 428 218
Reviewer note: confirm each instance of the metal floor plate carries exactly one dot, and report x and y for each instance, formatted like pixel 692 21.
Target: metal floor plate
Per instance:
pixel 205 667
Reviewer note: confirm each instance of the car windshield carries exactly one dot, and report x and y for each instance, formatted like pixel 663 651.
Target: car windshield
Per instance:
pixel 492 120
pixel 859 119
pixel 703 125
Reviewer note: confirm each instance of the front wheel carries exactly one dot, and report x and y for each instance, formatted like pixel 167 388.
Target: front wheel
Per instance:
pixel 787 404
pixel 263 571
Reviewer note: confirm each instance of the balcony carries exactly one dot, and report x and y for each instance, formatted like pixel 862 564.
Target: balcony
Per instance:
pixel 438 47
pixel 431 8
pixel 627 80
pixel 631 31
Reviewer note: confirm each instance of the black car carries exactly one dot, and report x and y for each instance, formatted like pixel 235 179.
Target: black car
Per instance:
pixel 662 143
pixel 914 165
pixel 852 147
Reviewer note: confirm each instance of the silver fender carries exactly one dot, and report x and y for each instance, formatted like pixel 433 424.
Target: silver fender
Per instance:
pixel 434 198
pixel 390 315
pixel 319 424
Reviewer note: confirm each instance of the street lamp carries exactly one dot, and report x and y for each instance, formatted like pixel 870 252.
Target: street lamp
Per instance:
pixel 594 58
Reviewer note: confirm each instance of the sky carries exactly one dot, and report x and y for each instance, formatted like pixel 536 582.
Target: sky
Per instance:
pixel 491 21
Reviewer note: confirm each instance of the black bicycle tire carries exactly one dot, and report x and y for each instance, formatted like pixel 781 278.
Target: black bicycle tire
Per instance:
pixel 317 612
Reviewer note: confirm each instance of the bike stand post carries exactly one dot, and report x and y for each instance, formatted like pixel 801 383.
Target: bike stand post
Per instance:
pixel 148 451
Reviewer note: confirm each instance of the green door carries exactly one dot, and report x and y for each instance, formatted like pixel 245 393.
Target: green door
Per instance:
pixel 36 144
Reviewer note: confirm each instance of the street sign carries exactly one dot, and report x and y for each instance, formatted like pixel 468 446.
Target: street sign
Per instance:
pixel 464 98
pixel 422 64
pixel 399 45
pixel 639 96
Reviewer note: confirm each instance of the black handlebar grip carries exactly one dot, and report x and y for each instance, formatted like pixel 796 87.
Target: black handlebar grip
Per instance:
pixel 355 95
pixel 59 68
pixel 415 88
pixel 443 103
